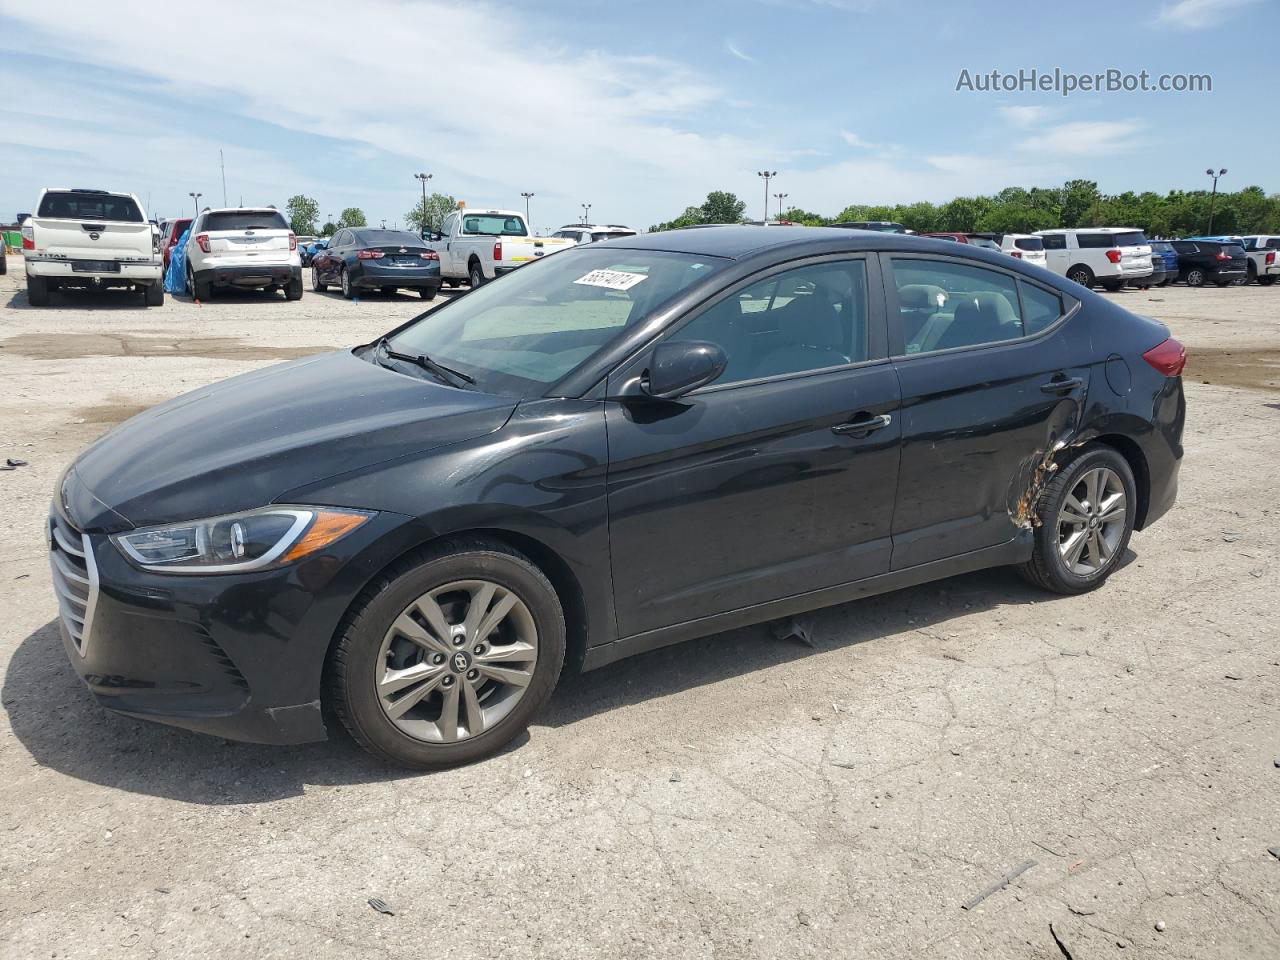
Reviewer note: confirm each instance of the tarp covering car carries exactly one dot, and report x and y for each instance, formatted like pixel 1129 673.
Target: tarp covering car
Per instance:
pixel 175 277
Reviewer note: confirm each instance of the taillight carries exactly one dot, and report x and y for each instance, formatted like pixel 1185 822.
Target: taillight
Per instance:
pixel 369 254
pixel 293 240
pixel 429 255
pixel 497 251
pixel 1016 253
pixel 202 241
pixel 1271 258
pixel 28 237
pixel 1168 358
pixel 1114 256
pixel 1221 256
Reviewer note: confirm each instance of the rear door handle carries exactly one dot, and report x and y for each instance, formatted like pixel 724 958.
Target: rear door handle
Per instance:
pixel 1062 385
pixel 867 425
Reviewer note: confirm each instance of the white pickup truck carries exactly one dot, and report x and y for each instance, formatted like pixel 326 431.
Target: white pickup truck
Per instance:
pixel 479 245
pixel 1263 251
pixel 91 238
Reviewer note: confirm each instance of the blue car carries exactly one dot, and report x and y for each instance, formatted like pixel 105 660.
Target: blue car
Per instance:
pixel 1163 258
pixel 307 251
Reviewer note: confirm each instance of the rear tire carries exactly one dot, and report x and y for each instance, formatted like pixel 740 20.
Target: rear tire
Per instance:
pixel 428 293
pixel 37 291
pixel 1082 275
pixel 370 647
pixel 1195 277
pixel 153 296
pixel 293 289
pixel 200 289
pixel 1076 546
pixel 475 274
pixel 1252 273
pixel 345 282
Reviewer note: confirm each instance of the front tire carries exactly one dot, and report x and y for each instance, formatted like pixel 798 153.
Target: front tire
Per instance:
pixel 1266 281
pixel 1082 275
pixel 445 657
pixel 318 285
pixel 428 293
pixel 1087 513
pixel 344 279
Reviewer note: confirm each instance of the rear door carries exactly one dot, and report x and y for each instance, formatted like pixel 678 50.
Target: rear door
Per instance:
pixel 776 480
pixel 91 225
pixel 994 374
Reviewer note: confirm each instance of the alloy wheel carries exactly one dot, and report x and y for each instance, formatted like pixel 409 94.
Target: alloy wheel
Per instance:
pixel 1091 522
pixel 456 661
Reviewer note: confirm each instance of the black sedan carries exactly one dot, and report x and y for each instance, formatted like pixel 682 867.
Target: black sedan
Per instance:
pixel 610 450
pixel 366 258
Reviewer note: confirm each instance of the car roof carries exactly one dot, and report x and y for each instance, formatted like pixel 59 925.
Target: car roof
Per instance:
pixel 739 242
pixel 1090 230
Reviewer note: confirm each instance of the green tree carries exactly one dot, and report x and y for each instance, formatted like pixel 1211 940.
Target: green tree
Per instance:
pixel 432 214
pixel 722 207
pixel 352 217
pixel 303 214
pixel 329 229
pixel 1078 196
pixel 806 217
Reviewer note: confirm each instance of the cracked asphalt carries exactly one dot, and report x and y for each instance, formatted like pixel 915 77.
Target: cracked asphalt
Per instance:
pixel 734 797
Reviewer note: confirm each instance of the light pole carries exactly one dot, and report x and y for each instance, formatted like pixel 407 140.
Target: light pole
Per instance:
pixel 195 201
pixel 781 197
pixel 586 214
pixel 767 175
pixel 1213 196
pixel 384 224
pixel 526 206
pixel 423 178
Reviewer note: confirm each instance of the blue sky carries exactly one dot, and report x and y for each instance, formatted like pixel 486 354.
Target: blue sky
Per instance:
pixel 639 110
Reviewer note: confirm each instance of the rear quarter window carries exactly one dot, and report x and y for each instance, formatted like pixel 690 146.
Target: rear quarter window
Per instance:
pixel 1094 241
pixel 1054 241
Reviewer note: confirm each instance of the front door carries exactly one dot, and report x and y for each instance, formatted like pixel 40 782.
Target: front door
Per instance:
pixel 777 479
pixel 994 370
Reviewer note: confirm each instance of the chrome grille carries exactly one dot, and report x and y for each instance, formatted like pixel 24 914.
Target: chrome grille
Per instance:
pixel 75 579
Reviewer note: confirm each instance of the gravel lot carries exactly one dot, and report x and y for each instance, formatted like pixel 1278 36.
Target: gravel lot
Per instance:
pixel 737 796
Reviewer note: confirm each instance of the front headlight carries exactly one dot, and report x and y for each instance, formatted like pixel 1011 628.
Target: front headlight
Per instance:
pixel 241 542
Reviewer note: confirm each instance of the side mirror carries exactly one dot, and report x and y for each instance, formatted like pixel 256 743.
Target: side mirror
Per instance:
pixel 678 368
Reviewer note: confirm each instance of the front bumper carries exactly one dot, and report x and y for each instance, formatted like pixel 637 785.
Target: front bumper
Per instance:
pixel 251 275
pixel 124 271
pixel 238 656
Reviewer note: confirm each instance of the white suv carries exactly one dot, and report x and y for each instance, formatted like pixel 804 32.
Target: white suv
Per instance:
pixel 246 247
pixel 90 238
pixel 1111 256
pixel 593 233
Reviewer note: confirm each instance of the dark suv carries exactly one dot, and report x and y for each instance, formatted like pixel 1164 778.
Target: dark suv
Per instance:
pixel 1216 261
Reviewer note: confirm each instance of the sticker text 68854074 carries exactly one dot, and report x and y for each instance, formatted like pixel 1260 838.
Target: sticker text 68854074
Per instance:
pixel 611 279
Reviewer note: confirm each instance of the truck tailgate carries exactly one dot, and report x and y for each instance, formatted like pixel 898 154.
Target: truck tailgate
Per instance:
pixel 78 240
pixel 524 249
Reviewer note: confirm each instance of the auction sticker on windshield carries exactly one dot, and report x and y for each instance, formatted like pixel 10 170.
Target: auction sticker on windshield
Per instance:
pixel 611 279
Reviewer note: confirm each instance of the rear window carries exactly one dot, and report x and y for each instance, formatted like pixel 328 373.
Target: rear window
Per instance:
pixel 245 220
pixel 89 206
pixel 1029 243
pixel 402 237
pixel 1159 247
pixel 1233 250
pixel 494 225
pixel 606 235
pixel 1134 239
pixel 1184 246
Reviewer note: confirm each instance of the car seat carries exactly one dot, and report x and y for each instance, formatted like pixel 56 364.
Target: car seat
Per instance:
pixel 984 317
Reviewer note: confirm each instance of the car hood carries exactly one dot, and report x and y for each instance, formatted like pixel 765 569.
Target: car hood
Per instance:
pixel 243 442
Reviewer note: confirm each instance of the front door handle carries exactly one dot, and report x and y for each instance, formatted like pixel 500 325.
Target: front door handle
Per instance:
pixel 1062 385
pixel 865 425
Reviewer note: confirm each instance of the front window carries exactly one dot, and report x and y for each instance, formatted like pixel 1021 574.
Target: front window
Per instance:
pixel 494 225
pixel 523 333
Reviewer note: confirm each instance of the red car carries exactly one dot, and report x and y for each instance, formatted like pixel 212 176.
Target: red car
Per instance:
pixel 173 231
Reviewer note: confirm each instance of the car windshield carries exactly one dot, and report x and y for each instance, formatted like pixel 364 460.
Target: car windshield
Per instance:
pixel 521 334
pixel 1029 243
pixel 1134 239
pixel 402 237
pixel 494 225
pixel 245 220
pixel 70 205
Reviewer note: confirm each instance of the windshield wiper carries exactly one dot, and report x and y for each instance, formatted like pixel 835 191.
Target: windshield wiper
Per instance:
pixel 447 374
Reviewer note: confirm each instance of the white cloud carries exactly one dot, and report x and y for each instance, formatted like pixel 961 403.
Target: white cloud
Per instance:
pixel 1023 116
pixel 1086 138
pixel 737 51
pixel 853 140
pixel 1197 14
